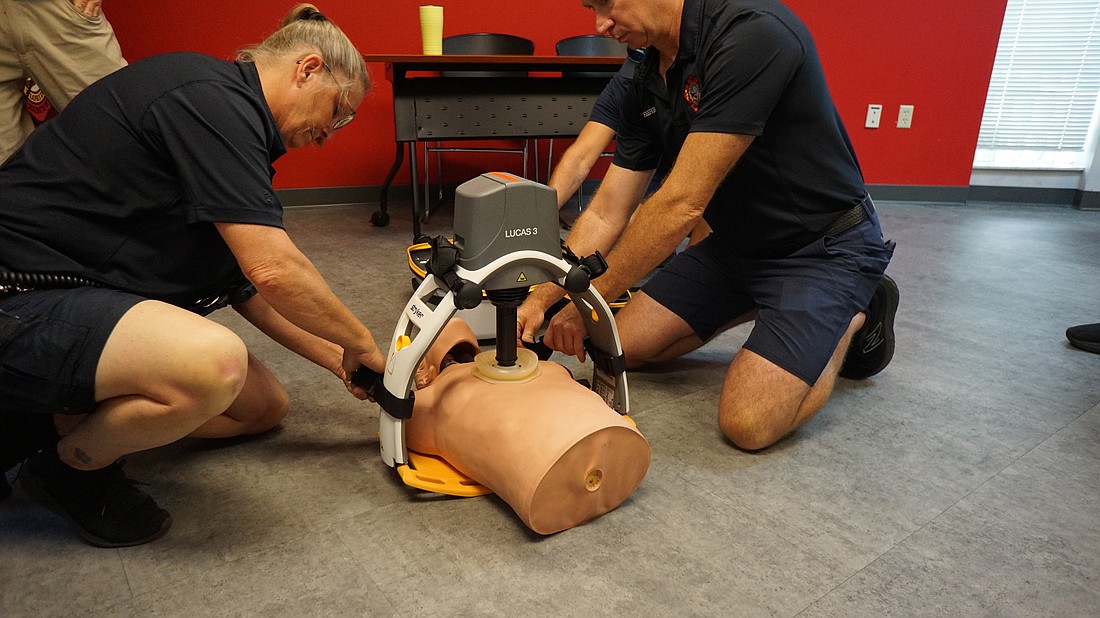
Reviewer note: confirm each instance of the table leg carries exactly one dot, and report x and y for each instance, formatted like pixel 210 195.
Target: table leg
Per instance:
pixel 382 217
pixel 414 175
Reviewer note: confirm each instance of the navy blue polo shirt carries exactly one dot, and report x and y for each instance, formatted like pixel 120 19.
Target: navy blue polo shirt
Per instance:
pixel 609 105
pixel 748 67
pixel 125 185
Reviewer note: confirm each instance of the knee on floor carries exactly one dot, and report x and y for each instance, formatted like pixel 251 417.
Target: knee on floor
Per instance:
pixel 747 438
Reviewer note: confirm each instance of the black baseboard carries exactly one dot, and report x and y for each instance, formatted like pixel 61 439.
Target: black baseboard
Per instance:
pixel 1082 200
pixel 1087 200
pixel 978 194
pixel 1026 195
pixel 926 194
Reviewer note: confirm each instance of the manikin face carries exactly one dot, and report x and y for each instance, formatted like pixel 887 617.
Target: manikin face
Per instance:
pixel 456 344
pixel 320 106
pixel 622 20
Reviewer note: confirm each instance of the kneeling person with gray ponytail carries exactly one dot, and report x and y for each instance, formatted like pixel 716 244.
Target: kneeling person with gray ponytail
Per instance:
pixel 144 205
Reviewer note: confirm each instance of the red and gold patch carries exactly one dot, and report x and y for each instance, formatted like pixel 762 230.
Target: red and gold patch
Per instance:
pixel 693 92
pixel 36 103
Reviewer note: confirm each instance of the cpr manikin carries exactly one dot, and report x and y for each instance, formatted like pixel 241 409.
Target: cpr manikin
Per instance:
pixel 548 446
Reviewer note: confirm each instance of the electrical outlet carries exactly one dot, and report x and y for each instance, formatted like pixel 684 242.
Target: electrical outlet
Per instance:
pixel 905 117
pixel 874 115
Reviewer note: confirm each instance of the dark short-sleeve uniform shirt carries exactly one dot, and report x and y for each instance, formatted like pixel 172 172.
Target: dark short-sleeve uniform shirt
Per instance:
pixel 748 67
pixel 609 104
pixel 608 108
pixel 124 187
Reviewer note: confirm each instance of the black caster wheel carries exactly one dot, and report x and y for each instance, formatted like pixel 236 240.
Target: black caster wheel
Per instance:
pixel 380 219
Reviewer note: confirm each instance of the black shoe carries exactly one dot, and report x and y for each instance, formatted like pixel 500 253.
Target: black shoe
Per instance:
pixel 873 344
pixel 22 435
pixel 1085 336
pixel 104 505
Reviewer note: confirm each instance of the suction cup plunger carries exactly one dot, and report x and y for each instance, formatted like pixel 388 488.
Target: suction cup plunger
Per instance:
pixel 508 362
pixel 524 369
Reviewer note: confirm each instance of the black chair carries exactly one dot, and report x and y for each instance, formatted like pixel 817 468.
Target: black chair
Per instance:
pixel 479 44
pixel 487 44
pixel 586 45
pixel 590 45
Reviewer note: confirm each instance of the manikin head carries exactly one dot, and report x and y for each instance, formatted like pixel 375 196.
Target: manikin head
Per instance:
pixel 455 344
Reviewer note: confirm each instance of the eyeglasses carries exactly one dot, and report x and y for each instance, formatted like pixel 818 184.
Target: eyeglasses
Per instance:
pixel 337 121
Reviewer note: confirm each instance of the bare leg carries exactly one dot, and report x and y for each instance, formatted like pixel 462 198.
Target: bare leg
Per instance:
pixel 651 334
pixel 760 402
pixel 164 372
pixel 261 405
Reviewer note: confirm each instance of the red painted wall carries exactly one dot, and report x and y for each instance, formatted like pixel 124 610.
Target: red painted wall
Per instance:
pixel 936 55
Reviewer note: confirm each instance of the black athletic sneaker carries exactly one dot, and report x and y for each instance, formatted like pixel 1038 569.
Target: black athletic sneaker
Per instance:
pixel 104 505
pixel 1085 337
pixel 22 435
pixel 873 344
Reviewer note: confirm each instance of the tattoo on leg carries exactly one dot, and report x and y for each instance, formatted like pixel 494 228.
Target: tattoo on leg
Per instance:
pixel 82 457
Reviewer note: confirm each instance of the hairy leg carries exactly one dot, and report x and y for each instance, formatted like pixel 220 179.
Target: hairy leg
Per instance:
pixel 762 403
pixel 163 373
pixel 650 333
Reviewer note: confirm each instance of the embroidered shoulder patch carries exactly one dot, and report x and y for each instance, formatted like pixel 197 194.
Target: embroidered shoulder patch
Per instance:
pixel 693 92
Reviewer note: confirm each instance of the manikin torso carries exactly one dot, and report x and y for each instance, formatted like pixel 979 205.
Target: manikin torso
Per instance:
pixel 549 447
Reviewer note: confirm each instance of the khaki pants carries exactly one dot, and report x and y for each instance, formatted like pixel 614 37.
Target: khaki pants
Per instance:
pixel 62 49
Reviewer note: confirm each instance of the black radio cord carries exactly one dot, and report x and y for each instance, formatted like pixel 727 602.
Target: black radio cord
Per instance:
pixel 25 282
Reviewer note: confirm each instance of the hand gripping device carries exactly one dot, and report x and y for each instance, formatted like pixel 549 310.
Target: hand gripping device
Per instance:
pixel 506 239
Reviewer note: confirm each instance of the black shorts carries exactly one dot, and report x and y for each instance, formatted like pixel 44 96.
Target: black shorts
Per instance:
pixel 805 301
pixel 50 344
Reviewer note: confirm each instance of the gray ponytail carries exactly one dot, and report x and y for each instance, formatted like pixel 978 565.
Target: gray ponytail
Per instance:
pixel 307 30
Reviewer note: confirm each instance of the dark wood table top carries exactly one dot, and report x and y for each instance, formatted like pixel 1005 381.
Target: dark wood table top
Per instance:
pixel 418 62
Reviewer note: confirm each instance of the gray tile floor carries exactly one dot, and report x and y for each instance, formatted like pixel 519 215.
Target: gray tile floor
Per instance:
pixel 964 480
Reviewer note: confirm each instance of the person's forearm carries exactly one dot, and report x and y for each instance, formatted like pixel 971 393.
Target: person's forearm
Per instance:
pixel 543 296
pixel 568 175
pixel 595 231
pixel 311 347
pixel 662 222
pixel 655 231
pixel 298 292
pixel 291 285
pixel 601 225
pixel 577 160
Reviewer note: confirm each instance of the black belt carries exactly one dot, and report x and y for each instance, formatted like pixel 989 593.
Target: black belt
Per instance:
pixel 851 218
pixel 847 221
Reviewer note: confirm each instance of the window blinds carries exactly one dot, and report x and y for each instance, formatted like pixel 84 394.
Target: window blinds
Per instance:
pixel 1043 92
